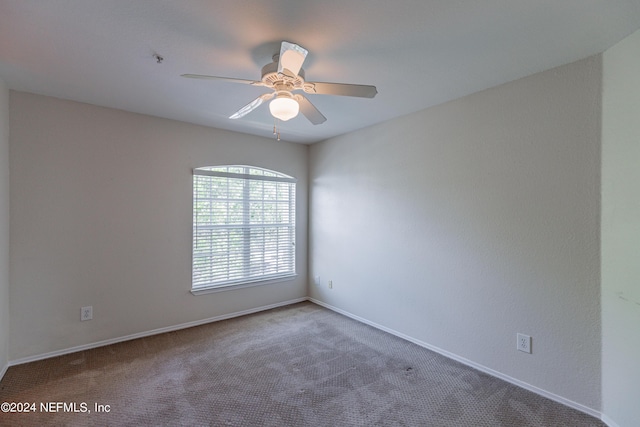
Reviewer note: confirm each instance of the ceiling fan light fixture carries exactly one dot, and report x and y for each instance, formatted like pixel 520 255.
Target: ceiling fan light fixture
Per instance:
pixel 284 108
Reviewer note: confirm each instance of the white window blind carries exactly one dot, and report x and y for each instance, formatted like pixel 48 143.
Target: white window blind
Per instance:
pixel 243 226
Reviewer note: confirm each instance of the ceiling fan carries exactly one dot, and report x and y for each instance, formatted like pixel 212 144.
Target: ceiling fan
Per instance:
pixel 285 75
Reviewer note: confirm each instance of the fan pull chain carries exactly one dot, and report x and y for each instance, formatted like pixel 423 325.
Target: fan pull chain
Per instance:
pixel 275 130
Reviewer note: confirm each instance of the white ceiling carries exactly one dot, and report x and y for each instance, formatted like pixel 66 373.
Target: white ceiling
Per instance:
pixel 418 53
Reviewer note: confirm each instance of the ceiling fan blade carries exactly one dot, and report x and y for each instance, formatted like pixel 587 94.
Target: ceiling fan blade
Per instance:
pixel 226 79
pixel 291 58
pixel 251 106
pixel 340 89
pixel 309 110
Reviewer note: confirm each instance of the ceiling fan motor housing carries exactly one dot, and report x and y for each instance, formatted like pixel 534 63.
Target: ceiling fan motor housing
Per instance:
pixel 278 81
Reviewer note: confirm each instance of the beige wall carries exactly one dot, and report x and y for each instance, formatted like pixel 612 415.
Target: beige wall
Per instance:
pixel 457 226
pixel 464 224
pixel 4 227
pixel 621 233
pixel 101 216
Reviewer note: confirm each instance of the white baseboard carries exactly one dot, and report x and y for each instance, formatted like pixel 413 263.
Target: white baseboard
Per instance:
pixel 507 378
pixel 149 333
pixel 608 421
pixel 3 371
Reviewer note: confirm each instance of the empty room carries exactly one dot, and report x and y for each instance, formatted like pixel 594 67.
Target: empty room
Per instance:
pixel 320 213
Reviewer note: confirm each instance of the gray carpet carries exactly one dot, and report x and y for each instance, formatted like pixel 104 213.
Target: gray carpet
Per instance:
pixel 300 365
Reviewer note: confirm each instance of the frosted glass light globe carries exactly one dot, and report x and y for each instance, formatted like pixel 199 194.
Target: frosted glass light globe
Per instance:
pixel 284 108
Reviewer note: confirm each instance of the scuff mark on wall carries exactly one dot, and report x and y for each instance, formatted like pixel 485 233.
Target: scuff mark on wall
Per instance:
pixel 624 297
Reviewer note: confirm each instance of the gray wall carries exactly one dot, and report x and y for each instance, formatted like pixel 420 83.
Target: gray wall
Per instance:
pixel 621 232
pixel 101 216
pixel 464 224
pixel 4 227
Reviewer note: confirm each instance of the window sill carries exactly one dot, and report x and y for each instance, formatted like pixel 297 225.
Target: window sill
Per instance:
pixel 223 288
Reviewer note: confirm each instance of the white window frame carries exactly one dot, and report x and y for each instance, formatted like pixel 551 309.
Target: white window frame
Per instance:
pixel 223 256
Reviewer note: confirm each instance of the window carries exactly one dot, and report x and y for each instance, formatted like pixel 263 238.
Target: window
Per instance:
pixel 243 226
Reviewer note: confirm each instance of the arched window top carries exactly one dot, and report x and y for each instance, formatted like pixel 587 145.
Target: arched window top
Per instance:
pixel 243 171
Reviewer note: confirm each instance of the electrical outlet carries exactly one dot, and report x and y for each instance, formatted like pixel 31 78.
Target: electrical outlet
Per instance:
pixel 330 284
pixel 316 280
pixel 524 343
pixel 86 313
